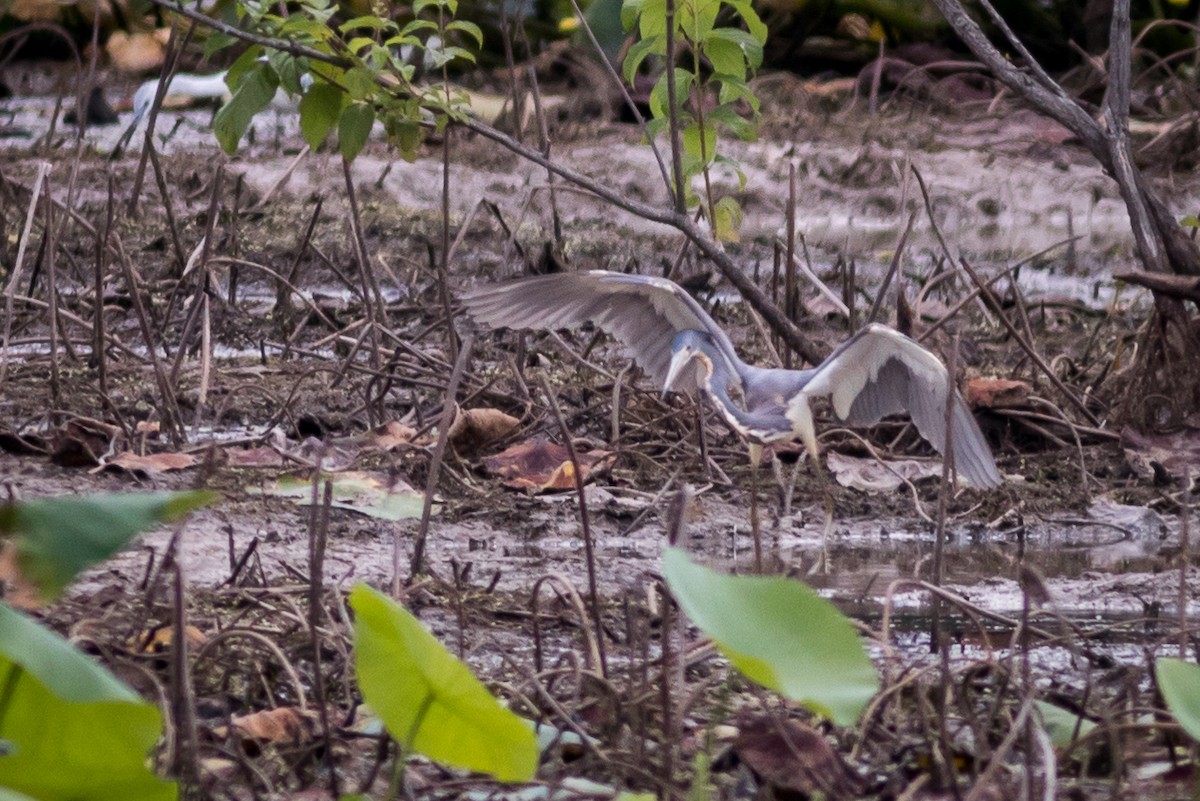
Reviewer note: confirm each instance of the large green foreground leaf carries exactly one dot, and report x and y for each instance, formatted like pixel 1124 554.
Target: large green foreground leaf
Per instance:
pixel 429 701
pixel 70 730
pixel 779 633
pixel 58 537
pixel 1179 682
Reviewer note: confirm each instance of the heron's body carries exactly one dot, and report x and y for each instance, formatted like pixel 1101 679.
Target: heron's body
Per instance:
pixel 875 373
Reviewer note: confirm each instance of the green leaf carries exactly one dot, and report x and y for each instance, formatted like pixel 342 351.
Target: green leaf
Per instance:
pixel 359 82
pixel 319 111
pixel 739 51
pixel 655 45
pixel 429 701
pixel 652 21
pixel 700 143
pixel 370 22
pixel 658 94
pixel 1061 724
pixel 253 94
pixel 727 219
pixel 631 10
pixel 469 28
pixel 76 733
pixel 56 538
pixel 728 118
pixel 215 42
pixel 1179 683
pixel 754 24
pixel 353 129
pixel 779 633
pixel 696 18
pixel 1190 221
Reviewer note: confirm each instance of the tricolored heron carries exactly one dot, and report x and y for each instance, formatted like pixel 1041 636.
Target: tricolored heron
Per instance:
pixel 876 372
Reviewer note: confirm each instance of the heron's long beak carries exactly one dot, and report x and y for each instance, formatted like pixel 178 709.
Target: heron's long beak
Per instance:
pixel 679 359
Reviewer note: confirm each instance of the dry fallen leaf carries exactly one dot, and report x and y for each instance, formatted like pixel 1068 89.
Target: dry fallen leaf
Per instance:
pixel 134 52
pixel 787 755
pixel 148 466
pixel 158 639
pixel 539 465
pixel 871 475
pixel 285 725
pixel 990 393
pixel 19 592
pixel 81 442
pixel 473 429
pixel 262 456
pixel 34 10
pixel 391 435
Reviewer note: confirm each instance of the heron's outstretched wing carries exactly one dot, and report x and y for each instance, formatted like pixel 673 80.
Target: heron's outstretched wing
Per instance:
pixel 880 371
pixel 642 311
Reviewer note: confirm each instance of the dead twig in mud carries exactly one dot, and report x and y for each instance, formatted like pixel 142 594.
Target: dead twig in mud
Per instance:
pixel 897 255
pixel 318 534
pixel 371 294
pixel 584 522
pixel 160 177
pixel 417 565
pixel 266 642
pixel 170 409
pixel 14 277
pixel 591 636
pixel 1185 531
pixel 939 543
pixel 185 761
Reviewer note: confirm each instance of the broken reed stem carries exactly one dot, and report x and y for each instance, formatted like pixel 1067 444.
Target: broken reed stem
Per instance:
pixel 196 308
pixel 417 565
pixel 284 288
pixel 544 134
pixel 443 261
pixel 318 535
pixel 1185 531
pixel 585 523
pixel 789 280
pixel 52 300
pixel 183 700
pixel 98 350
pixel 664 686
pixel 371 295
pixel 160 178
pixel 170 409
pixel 15 277
pixel 939 543
pixel 892 268
pixel 175 47
pixel 679 199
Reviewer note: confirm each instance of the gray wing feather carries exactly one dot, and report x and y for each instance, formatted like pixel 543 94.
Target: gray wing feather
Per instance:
pixel 888 373
pixel 643 312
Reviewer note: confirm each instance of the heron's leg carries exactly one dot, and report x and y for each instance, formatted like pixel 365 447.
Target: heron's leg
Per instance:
pixel 804 424
pixel 755 459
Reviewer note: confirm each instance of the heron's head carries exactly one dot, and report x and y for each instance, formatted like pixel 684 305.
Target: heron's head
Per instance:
pixel 686 348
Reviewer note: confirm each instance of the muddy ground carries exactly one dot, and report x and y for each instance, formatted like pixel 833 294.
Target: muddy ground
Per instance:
pixel 1080 506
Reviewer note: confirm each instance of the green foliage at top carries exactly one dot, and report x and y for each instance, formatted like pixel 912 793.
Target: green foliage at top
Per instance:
pixel 712 92
pixel 374 79
pixel 1179 682
pixel 779 633
pixel 69 730
pixel 429 701
pixel 58 537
